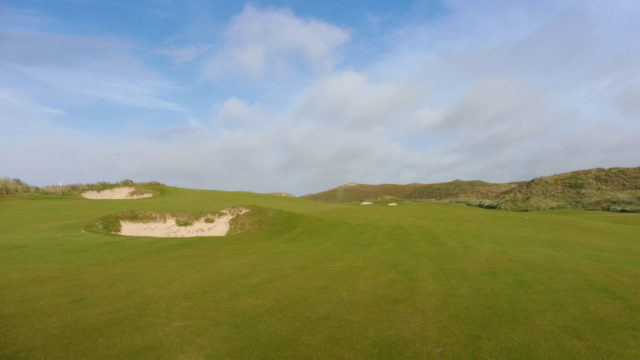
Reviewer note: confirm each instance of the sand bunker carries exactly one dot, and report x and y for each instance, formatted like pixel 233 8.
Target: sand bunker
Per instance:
pixel 208 225
pixel 123 192
pixel 366 203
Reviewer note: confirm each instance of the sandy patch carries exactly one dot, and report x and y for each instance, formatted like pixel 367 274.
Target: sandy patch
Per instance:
pixel 169 228
pixel 366 203
pixel 392 204
pixel 123 192
pixel 282 194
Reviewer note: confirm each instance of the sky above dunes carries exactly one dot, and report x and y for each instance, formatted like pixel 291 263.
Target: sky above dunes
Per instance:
pixel 299 96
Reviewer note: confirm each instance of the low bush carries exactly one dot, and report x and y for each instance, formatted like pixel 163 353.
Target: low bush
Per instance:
pixel 16 186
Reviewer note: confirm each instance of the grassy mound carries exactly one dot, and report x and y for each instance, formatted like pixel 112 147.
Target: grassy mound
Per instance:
pixel 615 189
pixel 449 191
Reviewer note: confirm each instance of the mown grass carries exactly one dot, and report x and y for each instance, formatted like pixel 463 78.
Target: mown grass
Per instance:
pixel 315 280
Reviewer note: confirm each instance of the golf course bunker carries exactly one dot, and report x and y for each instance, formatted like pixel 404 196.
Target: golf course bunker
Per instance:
pixel 119 193
pixel 171 226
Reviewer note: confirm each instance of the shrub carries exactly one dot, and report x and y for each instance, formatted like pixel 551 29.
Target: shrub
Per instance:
pixel 487 204
pixel 577 185
pixel 16 186
pixel 184 222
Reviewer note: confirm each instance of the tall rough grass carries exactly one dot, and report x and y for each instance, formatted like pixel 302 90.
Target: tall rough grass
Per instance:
pixel 615 189
pixel 16 186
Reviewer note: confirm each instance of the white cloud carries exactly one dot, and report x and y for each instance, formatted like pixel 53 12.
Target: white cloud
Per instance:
pixel 235 110
pixel 349 98
pixel 260 41
pixel 14 108
pixel 79 67
pixel 426 118
pixel 628 97
pixel 34 148
pixel 182 55
pixel 501 110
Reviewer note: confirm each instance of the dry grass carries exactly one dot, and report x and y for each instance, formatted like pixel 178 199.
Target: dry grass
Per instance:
pixel 615 189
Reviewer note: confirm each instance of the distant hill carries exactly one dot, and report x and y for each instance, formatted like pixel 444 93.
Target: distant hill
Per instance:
pixel 615 189
pixel 457 189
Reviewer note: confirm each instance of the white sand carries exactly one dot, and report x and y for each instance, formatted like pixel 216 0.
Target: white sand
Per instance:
pixel 282 194
pixel 123 192
pixel 169 228
pixel 366 203
pixel 392 204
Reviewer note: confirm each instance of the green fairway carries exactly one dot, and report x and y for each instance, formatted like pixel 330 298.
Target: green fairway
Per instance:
pixel 319 281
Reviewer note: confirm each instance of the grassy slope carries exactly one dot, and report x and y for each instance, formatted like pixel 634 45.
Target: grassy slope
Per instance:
pixel 599 189
pixel 457 189
pixel 321 281
pixel 616 189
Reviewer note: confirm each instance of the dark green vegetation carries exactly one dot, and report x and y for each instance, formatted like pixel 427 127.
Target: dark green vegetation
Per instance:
pixel 615 189
pixel 306 279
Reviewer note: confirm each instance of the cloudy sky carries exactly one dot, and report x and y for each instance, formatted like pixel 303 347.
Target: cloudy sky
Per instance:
pixel 301 96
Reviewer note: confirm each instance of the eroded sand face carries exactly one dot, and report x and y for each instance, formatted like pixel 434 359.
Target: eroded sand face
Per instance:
pixel 169 228
pixel 123 192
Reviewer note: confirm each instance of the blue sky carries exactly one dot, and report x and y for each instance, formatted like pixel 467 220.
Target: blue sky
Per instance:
pixel 301 96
